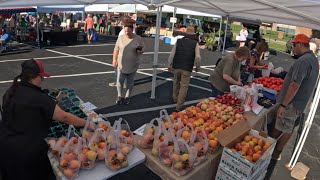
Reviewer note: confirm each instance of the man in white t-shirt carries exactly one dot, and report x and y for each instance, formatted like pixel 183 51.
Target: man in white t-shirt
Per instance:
pixel 243 36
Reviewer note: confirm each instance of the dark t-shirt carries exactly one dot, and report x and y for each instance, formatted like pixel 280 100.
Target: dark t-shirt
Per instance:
pixel 27 115
pixel 305 73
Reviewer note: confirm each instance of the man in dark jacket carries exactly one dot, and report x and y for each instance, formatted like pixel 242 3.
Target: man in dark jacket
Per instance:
pixel 184 55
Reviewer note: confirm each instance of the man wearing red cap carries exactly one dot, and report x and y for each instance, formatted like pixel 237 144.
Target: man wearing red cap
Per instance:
pixel 26 117
pixel 297 88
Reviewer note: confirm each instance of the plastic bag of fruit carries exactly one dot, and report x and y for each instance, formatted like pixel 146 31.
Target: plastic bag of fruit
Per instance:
pixel 106 126
pixel 167 121
pixel 116 153
pixel 87 156
pixel 150 129
pixel 58 146
pixel 98 142
pixel 158 138
pixel 177 126
pixel 88 131
pixel 126 135
pixel 70 159
pixel 183 157
pixel 186 132
pixel 165 148
pixel 71 132
pixel 199 141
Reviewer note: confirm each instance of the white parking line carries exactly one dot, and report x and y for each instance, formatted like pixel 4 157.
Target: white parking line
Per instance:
pixel 147 109
pixel 207 68
pixel 13 60
pixel 91 45
pixel 107 64
pixel 69 75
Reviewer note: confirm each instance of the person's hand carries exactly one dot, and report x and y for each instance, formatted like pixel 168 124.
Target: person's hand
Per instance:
pixel 280 113
pixel 265 66
pixel 170 69
pixel 114 64
pixel 139 52
pixel 239 83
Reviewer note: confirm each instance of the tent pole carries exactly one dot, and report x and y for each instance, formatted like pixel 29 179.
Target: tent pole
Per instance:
pixel 38 36
pixel 219 46
pixel 156 51
pixel 225 37
pixel 174 15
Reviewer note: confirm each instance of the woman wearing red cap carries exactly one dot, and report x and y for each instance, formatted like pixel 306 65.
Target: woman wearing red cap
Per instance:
pixel 26 117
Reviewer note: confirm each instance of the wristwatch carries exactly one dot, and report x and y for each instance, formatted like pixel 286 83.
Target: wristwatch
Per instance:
pixel 283 105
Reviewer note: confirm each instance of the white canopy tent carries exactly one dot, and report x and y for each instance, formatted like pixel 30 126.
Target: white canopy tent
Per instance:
pixel 68 8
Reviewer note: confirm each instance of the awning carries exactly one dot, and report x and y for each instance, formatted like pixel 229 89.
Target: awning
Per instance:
pixel 17 10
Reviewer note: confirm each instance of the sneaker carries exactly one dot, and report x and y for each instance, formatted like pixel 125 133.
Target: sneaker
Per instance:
pixel 126 101
pixel 120 100
pixel 113 84
pixel 276 155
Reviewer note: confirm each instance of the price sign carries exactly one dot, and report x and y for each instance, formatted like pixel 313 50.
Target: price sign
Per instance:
pixel 173 20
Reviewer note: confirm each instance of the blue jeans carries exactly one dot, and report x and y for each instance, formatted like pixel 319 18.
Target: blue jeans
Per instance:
pixel 215 91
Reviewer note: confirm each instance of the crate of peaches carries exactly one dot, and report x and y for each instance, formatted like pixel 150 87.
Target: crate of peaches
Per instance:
pixel 246 151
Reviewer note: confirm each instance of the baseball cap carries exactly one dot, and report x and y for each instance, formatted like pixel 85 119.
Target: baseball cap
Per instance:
pixel 34 67
pixel 300 38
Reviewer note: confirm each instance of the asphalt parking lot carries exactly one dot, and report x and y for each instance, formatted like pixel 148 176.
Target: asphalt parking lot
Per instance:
pixel 87 69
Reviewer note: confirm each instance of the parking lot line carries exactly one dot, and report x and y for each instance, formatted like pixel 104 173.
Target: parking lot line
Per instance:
pixel 70 75
pixel 13 60
pixel 107 64
pixel 147 109
pixel 91 45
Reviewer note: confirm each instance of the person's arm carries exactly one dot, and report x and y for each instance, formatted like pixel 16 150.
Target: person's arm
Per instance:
pixel 252 65
pixel 197 59
pixel 116 54
pixel 85 25
pixel 67 118
pixel 171 56
pixel 141 43
pixel 230 80
pixel 291 92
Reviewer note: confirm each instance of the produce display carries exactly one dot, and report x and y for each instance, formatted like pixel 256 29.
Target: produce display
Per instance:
pixel 270 82
pixel 69 161
pixel 251 148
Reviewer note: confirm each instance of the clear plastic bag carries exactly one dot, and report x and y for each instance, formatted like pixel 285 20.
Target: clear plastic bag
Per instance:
pixel 158 138
pixel 98 142
pixel 178 125
pixel 167 121
pixel 200 142
pixel 70 159
pixel 126 135
pixel 186 132
pixel 183 157
pixel 165 148
pixel 88 131
pixel 87 156
pixel 58 146
pixel 106 126
pixel 148 136
pixel 116 156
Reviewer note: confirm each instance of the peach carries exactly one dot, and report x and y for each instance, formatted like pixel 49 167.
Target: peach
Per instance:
pixel 167 162
pixel 120 156
pixel 249 152
pixel 125 133
pixel 248 138
pixel 261 142
pixel 100 154
pixel 68 173
pixel 257 148
pixel 84 150
pixel 83 157
pixel 249 158
pixel 251 144
pixel 198 145
pixel 178 165
pixel 74 164
pixel 174 157
pixel 256 157
pixel 101 145
pixel 69 156
pixel 63 163
pixel 91 155
pixel 184 157
pixel 255 140
pixel 125 150
pixel 124 164
pixel 266 146
pixel 213 144
pixel 186 135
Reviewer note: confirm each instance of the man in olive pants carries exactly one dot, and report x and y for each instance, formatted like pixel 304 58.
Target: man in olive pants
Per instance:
pixel 184 55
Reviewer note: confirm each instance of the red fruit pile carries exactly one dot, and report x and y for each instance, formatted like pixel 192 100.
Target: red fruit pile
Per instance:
pixel 270 82
pixel 229 100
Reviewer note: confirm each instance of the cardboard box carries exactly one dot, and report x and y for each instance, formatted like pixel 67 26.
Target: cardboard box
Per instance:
pixel 226 174
pixel 233 161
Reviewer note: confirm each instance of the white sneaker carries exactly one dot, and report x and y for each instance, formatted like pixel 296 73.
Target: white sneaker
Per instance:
pixel 113 84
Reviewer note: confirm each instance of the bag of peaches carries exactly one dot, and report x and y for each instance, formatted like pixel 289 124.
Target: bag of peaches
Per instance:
pixel 88 131
pixel 98 142
pixel 149 132
pixel 70 159
pixel 177 126
pixel 186 132
pixel 166 147
pixel 125 134
pixel 199 141
pixel 116 152
pixel 182 157
pixel 87 156
pixel 167 122
pixel 159 136
pixel 58 145
pixel 106 126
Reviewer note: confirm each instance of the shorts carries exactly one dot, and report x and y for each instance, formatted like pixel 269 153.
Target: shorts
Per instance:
pixel 290 116
pixel 90 31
